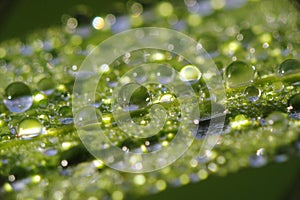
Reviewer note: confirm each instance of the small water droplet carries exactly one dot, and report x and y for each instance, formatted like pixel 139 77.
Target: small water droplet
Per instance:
pixel 239 73
pixel 252 93
pixel 289 66
pixel 294 106
pixel 18 97
pixel 190 73
pixel 257 160
pixel 65 96
pixel 277 86
pixel 46 86
pixel 111 79
pixel 50 152
pixel 29 128
pixel 165 74
pixel 139 75
pixel 166 98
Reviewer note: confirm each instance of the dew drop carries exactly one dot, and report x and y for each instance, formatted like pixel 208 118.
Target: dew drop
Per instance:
pixel 18 97
pixel 238 73
pixel 165 74
pixel 111 79
pixel 289 66
pixel 190 73
pixel 46 86
pixel 252 93
pixel 50 152
pixel 139 75
pixel 294 106
pixel 166 98
pixel 29 128
pixel 65 96
pixel 277 86
pixel 257 161
pixel 65 112
pixel 133 96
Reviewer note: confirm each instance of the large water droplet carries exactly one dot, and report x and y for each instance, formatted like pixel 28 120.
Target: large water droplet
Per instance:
pixel 18 97
pixel 252 93
pixel 46 86
pixel 289 66
pixel 29 128
pixel 294 106
pixel 239 73
pixel 65 112
pixel 190 73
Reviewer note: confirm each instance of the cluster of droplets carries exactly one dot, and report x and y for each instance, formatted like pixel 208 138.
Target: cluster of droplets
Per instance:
pixel 262 98
pixel 30 112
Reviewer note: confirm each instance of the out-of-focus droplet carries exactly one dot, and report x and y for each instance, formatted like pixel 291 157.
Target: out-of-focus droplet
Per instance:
pixel 289 66
pixel 190 73
pixel 277 122
pixel 98 23
pixel 294 106
pixel 18 97
pixel 165 9
pixel 252 93
pixel 50 152
pixel 259 159
pixel 239 122
pixel 29 128
pixel 239 73
pixel 165 74
pixel 46 86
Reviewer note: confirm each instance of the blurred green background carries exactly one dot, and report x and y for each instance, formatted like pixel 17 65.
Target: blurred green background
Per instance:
pixel 274 181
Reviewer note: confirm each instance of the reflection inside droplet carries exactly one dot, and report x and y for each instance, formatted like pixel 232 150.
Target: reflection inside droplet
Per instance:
pixel 18 97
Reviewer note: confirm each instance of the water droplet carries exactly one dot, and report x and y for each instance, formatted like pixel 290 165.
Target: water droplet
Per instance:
pixel 165 74
pixel 43 103
pixel 29 128
pixel 133 96
pixel 65 96
pixel 277 86
pixel 289 66
pixel 252 93
pixel 46 86
pixel 111 79
pixel 239 122
pixel 65 112
pixel 277 122
pixel 139 75
pixel 257 160
pixel 238 73
pixel 294 106
pixel 18 97
pixel 50 152
pixel 190 73
pixel 166 98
